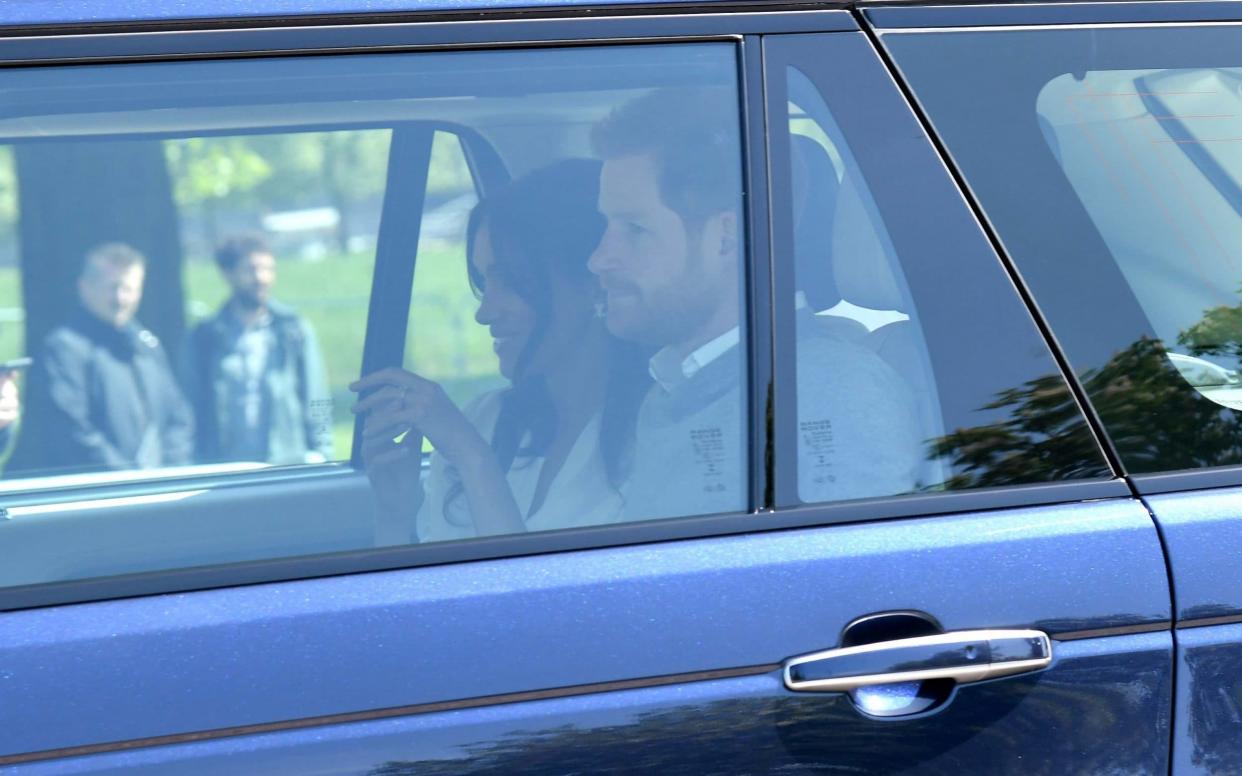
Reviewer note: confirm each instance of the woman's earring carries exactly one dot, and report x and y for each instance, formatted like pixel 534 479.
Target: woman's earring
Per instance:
pixel 601 307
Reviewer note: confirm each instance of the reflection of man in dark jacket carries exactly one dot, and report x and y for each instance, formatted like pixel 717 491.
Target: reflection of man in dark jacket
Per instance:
pixel 101 393
pixel 254 373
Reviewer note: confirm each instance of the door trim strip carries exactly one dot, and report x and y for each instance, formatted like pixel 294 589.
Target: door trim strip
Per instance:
pixel 1119 630
pixel 1205 622
pixel 395 711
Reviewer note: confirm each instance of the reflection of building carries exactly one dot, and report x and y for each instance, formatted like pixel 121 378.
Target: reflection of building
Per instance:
pixel 302 233
pixel 308 234
pixel 445 223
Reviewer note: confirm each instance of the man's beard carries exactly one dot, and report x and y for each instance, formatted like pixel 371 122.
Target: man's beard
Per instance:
pixel 249 302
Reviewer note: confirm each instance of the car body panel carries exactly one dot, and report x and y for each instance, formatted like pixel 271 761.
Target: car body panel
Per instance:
pixel 1209 700
pixel 730 726
pixel 1203 537
pixel 189 663
pixel 1202 533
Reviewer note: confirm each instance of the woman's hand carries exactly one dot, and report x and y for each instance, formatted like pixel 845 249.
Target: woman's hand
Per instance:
pixel 397 402
pixel 393 468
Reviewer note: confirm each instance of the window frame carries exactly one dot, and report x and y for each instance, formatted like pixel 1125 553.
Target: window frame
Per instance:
pixel 744 30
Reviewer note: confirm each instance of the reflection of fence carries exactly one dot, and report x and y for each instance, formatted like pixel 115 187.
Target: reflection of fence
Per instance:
pixel 196 309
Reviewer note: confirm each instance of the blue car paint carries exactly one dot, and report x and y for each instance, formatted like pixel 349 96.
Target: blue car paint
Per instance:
pixel 161 665
pixel 1209 700
pixel 21 13
pixel 1203 533
pixel 1114 691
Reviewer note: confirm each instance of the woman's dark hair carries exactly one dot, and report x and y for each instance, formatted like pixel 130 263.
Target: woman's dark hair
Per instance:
pixel 545 225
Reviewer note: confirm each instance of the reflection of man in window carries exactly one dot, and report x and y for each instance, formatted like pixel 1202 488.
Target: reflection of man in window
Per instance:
pixel 101 393
pixel 253 372
pixel 670 264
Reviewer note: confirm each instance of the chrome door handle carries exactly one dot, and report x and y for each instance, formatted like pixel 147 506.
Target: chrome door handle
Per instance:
pixel 964 656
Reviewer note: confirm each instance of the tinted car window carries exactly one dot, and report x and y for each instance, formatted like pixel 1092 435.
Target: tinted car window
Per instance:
pixel 207 307
pixel 1109 164
pixel 237 228
pixel 575 353
pixel 918 367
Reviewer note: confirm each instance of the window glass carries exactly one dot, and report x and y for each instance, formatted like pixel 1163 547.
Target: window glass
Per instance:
pixel 1111 164
pixel 854 329
pixel 537 255
pixel 458 353
pixel 575 353
pixel 908 341
pixel 1156 158
pixel 207 308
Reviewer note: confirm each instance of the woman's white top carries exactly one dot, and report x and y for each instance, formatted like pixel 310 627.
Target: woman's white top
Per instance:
pixel 579 494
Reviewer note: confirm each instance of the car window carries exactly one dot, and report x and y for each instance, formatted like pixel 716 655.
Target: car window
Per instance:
pixel 575 354
pixel 443 342
pixel 207 307
pixel 909 379
pixel 1153 156
pixel 324 304
pixel 1111 167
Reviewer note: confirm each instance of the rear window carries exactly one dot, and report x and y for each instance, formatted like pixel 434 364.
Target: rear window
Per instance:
pixel 1110 161
pixel 305 305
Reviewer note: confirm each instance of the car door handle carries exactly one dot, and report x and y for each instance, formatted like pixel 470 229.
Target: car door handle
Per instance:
pixel 964 656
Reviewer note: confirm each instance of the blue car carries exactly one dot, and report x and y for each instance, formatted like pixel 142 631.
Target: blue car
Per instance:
pixel 535 387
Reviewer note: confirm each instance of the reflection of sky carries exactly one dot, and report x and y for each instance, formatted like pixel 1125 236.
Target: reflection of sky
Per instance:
pixel 1156 157
pixel 887 698
pixel 356 748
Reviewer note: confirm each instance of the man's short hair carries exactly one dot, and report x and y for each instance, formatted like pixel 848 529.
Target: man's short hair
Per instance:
pixel 117 255
pixel 692 134
pixel 238 247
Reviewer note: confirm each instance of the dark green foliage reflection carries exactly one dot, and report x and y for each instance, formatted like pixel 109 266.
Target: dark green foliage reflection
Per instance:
pixel 1156 420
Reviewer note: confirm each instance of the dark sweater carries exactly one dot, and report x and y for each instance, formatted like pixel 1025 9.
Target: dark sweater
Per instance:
pixel 102 398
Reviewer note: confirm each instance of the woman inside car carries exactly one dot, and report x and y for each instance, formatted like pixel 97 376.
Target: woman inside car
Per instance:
pixel 550 450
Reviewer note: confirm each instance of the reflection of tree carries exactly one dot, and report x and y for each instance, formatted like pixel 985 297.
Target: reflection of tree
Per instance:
pixel 1153 416
pixel 1218 333
pixel 76 194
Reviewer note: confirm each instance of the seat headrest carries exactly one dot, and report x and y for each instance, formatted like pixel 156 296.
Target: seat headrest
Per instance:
pixel 860 264
pixel 814 180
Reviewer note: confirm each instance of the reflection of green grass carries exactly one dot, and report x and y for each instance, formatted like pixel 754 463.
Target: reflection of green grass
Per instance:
pixel 12 333
pixel 443 342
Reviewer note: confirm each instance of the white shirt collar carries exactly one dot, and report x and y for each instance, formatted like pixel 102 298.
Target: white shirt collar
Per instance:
pixel 669 374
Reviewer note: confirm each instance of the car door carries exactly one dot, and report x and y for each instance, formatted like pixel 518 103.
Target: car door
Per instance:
pixel 1002 606
pixel 1127 125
